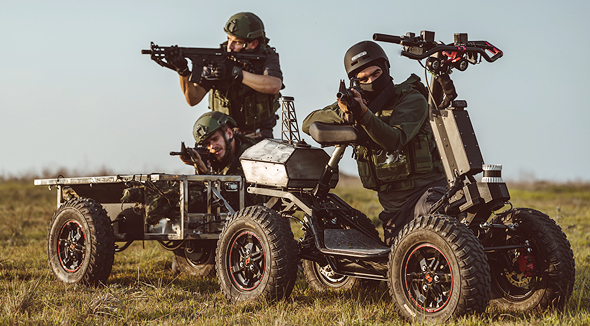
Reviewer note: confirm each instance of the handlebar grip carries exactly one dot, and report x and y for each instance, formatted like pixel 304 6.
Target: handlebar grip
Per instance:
pixel 387 38
pixel 146 51
pixel 495 51
pixel 176 153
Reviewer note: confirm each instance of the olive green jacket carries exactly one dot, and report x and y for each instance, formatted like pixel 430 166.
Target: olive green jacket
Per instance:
pixel 401 153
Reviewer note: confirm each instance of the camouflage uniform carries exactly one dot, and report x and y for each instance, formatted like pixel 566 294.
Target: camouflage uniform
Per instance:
pixel 401 161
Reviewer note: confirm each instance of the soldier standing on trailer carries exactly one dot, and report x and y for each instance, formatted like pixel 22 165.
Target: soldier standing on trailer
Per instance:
pixel 251 99
pixel 400 161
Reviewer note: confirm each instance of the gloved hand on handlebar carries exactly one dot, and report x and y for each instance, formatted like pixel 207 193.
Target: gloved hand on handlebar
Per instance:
pixel 448 89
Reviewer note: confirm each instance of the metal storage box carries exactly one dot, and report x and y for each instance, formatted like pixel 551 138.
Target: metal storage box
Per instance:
pixel 274 163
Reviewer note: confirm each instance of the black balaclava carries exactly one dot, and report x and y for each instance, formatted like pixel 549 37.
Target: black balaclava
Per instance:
pixel 372 90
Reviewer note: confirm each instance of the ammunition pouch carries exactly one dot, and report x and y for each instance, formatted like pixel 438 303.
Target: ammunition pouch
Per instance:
pixel 249 108
pixel 420 153
pixel 384 171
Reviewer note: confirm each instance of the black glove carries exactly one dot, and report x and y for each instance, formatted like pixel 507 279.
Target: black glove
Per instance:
pixel 448 88
pixel 355 108
pixel 177 61
pixel 237 75
pixel 225 71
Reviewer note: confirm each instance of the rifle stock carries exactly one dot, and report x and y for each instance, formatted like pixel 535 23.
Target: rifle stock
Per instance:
pixel 203 155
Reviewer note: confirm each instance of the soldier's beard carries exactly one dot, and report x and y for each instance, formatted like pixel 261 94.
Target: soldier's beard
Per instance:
pixel 228 147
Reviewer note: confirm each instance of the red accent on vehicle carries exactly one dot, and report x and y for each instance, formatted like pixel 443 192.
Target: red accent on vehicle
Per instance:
pixel 526 263
pixel 406 280
pixel 72 246
pixel 493 49
pixel 453 56
pixel 230 256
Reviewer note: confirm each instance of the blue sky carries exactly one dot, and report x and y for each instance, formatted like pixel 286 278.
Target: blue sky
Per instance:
pixel 75 92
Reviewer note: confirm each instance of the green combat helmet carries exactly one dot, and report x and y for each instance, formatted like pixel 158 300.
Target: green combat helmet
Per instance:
pixel 209 123
pixel 245 25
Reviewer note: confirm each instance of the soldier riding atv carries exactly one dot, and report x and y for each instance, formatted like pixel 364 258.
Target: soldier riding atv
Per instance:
pixel 452 261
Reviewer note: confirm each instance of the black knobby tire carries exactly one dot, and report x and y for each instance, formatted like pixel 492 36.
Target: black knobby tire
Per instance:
pixel 437 270
pixel 256 257
pixel 320 278
pixel 537 280
pixel 80 243
pixel 195 258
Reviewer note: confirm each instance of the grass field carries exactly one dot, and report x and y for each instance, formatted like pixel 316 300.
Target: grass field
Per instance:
pixel 142 290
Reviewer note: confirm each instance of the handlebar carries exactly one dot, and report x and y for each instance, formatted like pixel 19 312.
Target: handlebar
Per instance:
pixel 387 38
pixel 429 47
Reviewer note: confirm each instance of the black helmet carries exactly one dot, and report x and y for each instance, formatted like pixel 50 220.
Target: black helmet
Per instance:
pixel 209 123
pixel 245 25
pixel 361 55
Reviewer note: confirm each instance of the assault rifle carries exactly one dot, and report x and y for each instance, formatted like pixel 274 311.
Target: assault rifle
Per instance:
pixel 204 57
pixel 346 96
pixel 203 156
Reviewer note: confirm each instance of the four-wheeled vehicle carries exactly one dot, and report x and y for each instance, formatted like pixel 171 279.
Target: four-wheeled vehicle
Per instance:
pixel 453 261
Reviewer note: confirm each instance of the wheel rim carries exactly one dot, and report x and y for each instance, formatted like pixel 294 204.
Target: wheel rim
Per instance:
pixel 199 255
pixel 520 278
pixel 71 246
pixel 428 278
pixel 247 261
pixel 328 275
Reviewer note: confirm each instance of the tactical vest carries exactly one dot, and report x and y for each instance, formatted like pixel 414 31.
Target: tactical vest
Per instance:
pixel 382 170
pixel 248 107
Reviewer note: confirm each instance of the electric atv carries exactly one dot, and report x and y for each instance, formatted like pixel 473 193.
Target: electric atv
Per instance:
pixel 451 262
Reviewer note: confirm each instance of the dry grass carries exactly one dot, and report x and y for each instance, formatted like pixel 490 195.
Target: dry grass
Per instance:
pixel 143 290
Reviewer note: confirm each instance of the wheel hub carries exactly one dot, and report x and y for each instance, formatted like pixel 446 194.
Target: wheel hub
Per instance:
pixel 429 280
pixel 328 273
pixel 246 260
pixel 71 246
pixel 523 269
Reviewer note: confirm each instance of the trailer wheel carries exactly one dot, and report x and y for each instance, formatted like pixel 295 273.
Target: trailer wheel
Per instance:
pixel 80 243
pixel 437 270
pixel 320 278
pixel 196 258
pixel 256 257
pixel 535 279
